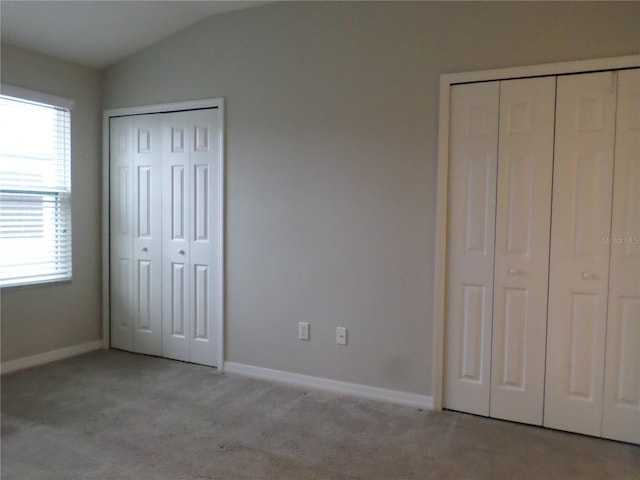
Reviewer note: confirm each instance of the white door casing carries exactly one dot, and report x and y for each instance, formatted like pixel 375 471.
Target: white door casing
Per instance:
pixel 523 213
pixel 470 259
pixel 621 413
pixel 579 267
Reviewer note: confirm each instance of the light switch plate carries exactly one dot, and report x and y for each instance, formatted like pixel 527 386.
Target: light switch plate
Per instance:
pixel 341 336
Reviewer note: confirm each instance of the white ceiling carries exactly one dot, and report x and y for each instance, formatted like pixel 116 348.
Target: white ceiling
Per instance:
pixel 100 32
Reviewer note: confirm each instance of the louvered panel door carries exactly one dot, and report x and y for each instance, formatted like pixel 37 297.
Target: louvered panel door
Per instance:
pixel 121 232
pixel 469 284
pixel 205 128
pixel 176 277
pixel 579 267
pixel 621 416
pixel 147 233
pixel 523 214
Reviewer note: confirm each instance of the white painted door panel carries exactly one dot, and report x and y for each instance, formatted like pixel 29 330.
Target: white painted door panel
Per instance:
pixel 470 232
pixel 579 267
pixel 205 128
pixel 121 237
pixel 176 227
pixel 191 299
pixel 165 227
pixel 621 416
pixel 147 239
pixel 523 214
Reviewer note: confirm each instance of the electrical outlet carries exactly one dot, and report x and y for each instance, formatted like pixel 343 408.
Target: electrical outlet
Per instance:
pixel 341 336
pixel 303 331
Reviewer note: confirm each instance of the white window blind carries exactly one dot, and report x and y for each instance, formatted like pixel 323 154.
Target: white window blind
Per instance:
pixel 35 192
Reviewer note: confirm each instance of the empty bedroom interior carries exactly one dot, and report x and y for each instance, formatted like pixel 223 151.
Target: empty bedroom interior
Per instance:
pixel 331 118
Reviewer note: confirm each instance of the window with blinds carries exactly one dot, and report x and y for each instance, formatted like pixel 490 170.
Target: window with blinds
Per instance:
pixel 35 192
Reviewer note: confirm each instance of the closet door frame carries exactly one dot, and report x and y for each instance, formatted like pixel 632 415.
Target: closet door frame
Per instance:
pixel 217 103
pixel 446 82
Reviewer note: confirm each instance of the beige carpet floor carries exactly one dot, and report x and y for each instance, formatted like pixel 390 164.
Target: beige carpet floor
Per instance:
pixel 116 415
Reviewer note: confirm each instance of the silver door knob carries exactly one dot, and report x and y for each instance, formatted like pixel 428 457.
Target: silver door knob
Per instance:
pixel 588 275
pixel 144 249
pixel 180 252
pixel 513 271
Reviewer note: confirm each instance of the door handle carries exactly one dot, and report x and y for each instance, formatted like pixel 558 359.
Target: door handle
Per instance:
pixel 144 249
pixel 180 252
pixel 513 272
pixel 588 275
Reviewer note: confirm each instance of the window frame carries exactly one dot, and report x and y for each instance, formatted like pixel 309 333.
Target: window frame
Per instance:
pixel 53 101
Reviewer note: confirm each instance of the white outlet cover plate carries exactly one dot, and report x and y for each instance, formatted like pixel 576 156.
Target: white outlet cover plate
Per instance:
pixel 303 331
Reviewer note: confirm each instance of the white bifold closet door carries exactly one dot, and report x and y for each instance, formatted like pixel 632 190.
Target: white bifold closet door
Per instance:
pixel 121 232
pixel 189 236
pixel 164 233
pixel 470 252
pixel 579 269
pixel 501 141
pixel 147 233
pixel 543 255
pixel 621 409
pixel 523 212
pixel 136 242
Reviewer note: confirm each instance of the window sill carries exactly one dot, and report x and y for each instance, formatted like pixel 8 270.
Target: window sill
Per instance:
pixel 45 283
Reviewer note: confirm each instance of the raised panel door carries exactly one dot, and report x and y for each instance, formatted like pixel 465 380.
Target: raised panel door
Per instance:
pixel 176 278
pixel 470 250
pixel 205 129
pixel 122 310
pixel 523 214
pixel 621 415
pixel 579 264
pixel 147 240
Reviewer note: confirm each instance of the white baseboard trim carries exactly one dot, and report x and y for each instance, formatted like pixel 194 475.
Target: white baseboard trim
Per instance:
pixel 354 389
pixel 51 356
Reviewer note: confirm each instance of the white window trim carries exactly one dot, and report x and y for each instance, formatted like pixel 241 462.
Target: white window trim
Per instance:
pixel 37 97
pixel 446 82
pixel 48 100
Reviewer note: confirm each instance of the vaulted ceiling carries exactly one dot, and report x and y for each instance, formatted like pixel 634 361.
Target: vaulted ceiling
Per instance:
pixel 99 33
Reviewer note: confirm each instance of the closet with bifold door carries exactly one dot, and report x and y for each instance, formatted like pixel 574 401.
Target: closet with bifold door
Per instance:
pixel 165 191
pixel 542 283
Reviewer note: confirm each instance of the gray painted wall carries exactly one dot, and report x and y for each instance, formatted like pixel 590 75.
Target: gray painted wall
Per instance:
pixel 42 318
pixel 331 160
